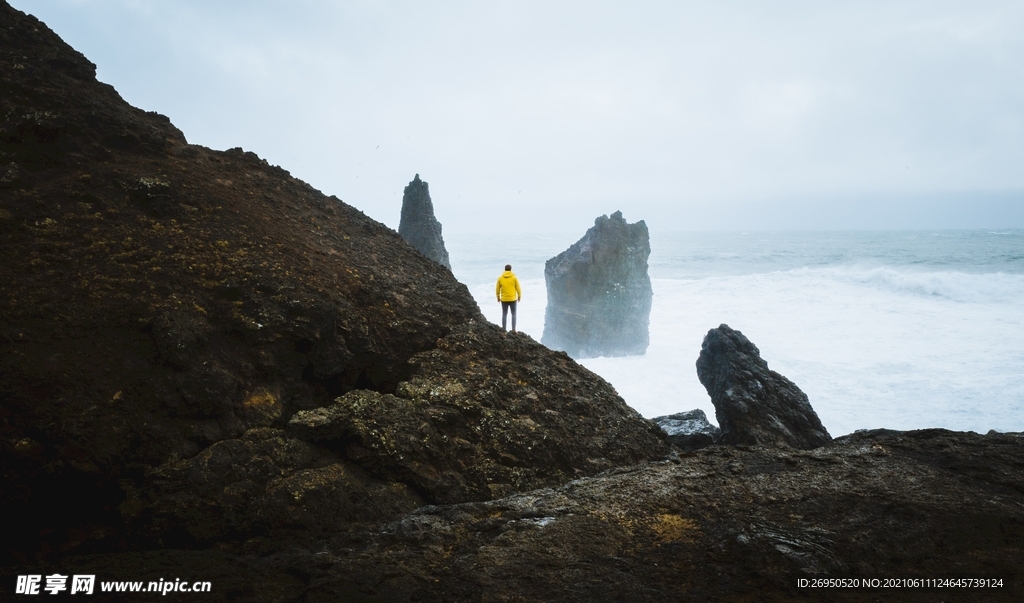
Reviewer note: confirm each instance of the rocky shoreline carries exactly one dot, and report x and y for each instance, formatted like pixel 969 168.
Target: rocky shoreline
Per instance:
pixel 211 371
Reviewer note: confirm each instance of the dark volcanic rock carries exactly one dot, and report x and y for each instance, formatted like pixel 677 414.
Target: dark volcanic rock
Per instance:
pixel 418 225
pixel 599 293
pixel 754 405
pixel 727 524
pixel 166 309
pixel 717 524
pixel 265 484
pixel 484 415
pixel 158 297
pixel 688 430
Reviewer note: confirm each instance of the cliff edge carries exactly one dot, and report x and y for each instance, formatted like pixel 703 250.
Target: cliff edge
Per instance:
pixel 174 320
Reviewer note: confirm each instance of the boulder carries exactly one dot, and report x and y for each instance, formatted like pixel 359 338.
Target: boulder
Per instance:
pixel 688 430
pixel 418 225
pixel 599 292
pixel 754 405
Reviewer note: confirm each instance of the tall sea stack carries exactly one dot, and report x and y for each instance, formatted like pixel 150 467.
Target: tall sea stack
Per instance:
pixel 599 292
pixel 418 226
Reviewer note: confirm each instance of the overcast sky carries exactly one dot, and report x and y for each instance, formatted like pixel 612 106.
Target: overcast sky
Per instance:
pixel 530 116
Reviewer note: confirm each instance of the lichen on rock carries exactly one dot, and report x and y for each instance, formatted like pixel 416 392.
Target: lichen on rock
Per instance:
pixel 482 415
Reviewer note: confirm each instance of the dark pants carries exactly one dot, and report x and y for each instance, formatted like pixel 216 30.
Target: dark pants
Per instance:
pixel 505 306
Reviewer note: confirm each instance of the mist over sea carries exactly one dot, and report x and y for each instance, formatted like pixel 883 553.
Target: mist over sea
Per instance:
pixel 895 329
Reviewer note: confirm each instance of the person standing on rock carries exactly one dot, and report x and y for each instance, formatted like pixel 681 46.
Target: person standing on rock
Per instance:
pixel 508 293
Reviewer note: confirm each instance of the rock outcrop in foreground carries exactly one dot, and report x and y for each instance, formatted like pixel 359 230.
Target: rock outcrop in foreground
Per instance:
pixel 719 524
pixel 754 405
pixel 198 350
pixel 599 292
pixel 481 416
pixel 418 225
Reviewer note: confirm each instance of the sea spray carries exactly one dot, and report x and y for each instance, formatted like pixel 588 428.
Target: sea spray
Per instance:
pixel 934 338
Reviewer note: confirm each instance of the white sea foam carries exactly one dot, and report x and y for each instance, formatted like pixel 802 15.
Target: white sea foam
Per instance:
pixel 897 346
pixel 956 286
pixel 873 348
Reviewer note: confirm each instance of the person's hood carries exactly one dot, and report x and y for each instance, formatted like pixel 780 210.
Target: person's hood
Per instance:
pixel 508 274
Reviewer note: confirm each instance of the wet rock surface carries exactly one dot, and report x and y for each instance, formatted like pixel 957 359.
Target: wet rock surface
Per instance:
pixel 753 404
pixel 599 292
pixel 419 226
pixel 688 430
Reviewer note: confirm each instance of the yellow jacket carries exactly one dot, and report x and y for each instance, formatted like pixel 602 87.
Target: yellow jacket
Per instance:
pixel 507 288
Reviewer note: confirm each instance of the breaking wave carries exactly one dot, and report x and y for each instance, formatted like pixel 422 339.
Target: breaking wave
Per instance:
pixel 956 286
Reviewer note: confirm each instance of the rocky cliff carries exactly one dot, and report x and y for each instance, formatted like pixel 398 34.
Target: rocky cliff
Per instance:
pixel 418 225
pixel 197 349
pixel 599 292
pixel 211 371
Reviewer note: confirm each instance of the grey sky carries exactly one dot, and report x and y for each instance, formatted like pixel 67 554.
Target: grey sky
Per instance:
pixel 542 115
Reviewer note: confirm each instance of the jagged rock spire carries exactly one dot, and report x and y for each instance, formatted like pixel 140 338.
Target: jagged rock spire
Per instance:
pixel 418 225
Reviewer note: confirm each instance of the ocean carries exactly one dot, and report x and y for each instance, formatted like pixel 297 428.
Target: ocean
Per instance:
pixel 893 329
